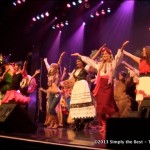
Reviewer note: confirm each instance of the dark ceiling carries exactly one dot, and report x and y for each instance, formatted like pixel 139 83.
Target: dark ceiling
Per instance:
pixel 19 34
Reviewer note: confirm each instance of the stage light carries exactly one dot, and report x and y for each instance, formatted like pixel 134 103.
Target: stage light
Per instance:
pixel 38 17
pixel 103 12
pixel 84 23
pixel 33 19
pixel 47 14
pixel 53 27
pixel 42 15
pixel 91 15
pixel 14 4
pixel 96 14
pixel 74 3
pixel 68 5
pixel 58 26
pixel 108 10
pixel 55 18
pixel 79 1
pixel 61 24
pixel 18 1
pixel 66 23
pixel 102 2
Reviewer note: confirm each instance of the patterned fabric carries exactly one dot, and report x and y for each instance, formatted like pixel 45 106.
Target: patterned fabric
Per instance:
pixel 81 105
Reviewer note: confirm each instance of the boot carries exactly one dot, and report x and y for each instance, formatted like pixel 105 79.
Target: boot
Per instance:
pixel 103 128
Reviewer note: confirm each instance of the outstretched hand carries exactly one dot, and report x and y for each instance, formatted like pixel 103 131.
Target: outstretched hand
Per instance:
pixel 75 54
pixel 63 53
pixel 124 44
pixel 102 46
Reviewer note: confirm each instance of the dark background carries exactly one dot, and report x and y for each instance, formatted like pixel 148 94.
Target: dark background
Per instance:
pixel 19 35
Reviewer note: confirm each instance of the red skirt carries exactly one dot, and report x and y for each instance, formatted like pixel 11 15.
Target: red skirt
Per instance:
pixel 105 103
pixel 15 96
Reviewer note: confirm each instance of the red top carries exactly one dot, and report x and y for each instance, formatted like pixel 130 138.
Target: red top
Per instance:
pixel 144 67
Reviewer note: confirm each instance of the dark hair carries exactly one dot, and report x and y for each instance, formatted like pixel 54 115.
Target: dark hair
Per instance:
pixel 123 73
pixel 79 58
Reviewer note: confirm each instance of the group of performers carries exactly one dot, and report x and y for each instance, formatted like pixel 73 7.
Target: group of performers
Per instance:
pixel 92 90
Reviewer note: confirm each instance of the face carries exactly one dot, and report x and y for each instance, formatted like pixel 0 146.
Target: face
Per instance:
pixel 79 64
pixel 106 56
pixel 120 76
pixel 144 52
pixel 16 67
pixel 52 69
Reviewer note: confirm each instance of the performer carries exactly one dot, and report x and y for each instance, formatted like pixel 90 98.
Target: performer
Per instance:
pixel 103 92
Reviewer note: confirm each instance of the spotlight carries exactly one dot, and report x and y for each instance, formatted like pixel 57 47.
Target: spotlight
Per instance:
pixel 103 12
pixel 66 23
pixel 79 1
pixel 91 15
pixel 53 27
pixel 14 4
pixel 42 15
pixel 74 3
pixel 102 2
pixel 38 17
pixel 47 14
pixel 57 25
pixel 84 23
pixel 33 19
pixel 108 10
pixel 68 5
pixel 96 14
pixel 19 2
pixel 61 24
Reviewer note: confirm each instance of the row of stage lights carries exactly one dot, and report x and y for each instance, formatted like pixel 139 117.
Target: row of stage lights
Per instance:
pixel 41 16
pixel 60 25
pixel 98 13
pixel 18 2
pixel 68 5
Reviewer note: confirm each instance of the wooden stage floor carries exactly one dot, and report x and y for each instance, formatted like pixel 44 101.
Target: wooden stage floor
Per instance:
pixel 62 138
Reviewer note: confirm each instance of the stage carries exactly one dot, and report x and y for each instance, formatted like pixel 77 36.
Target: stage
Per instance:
pixel 62 138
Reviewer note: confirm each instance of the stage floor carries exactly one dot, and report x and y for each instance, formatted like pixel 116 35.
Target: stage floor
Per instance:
pixel 62 138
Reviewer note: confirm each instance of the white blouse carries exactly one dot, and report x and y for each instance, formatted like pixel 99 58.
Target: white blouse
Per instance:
pixel 107 69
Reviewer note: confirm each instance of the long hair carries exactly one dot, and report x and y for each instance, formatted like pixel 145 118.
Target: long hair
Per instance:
pixel 147 49
pixel 106 49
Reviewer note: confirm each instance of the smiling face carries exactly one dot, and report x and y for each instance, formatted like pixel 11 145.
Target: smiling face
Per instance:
pixel 79 64
pixel 106 56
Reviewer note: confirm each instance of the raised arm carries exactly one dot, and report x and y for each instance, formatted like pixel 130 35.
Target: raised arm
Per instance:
pixel 98 52
pixel 60 58
pixel 129 67
pixel 46 64
pixel 87 60
pixel 133 57
pixel 63 74
pixel 119 55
